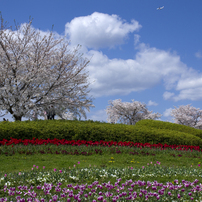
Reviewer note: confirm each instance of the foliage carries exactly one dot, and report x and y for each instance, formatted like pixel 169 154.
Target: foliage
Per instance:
pixel 128 113
pixel 188 115
pixel 169 126
pixel 38 70
pixel 94 131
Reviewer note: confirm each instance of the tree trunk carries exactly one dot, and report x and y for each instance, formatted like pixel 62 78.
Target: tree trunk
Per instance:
pixel 17 118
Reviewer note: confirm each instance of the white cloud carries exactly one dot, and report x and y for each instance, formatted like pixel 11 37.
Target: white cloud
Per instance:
pixel 192 82
pixel 149 68
pixel 99 115
pixel 167 112
pixel 198 54
pixel 189 93
pixel 99 30
pixel 151 103
pixel 168 95
pixel 189 86
pixel 136 39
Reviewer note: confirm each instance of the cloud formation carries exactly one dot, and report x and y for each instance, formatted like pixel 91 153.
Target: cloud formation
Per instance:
pixel 198 54
pixel 99 115
pixel 167 112
pixel 152 103
pixel 121 77
pixel 99 30
pixel 149 67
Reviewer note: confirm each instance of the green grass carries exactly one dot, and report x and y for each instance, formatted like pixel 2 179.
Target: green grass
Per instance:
pixel 107 166
pixel 21 162
pixel 24 163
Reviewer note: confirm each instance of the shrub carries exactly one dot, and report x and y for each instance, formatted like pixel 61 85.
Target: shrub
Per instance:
pixel 143 132
pixel 169 126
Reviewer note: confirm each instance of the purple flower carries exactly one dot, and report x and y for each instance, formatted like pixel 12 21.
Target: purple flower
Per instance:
pixel 38 187
pixel 55 197
pixel 69 185
pixel 154 188
pixel 169 193
pixel 100 198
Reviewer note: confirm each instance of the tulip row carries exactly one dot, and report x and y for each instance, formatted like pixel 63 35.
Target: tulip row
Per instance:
pixel 34 141
pixel 128 191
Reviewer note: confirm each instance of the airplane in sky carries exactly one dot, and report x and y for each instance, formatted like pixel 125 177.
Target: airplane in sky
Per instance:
pixel 160 8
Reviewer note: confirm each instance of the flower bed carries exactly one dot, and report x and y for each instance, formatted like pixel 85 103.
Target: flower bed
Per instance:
pixel 145 182
pixel 34 141
pixel 53 186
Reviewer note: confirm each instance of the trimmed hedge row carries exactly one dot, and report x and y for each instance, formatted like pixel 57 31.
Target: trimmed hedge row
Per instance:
pixel 169 126
pixel 95 131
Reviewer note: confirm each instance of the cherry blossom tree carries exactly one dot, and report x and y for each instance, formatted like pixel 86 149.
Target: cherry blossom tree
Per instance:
pixel 38 70
pixel 128 113
pixel 187 115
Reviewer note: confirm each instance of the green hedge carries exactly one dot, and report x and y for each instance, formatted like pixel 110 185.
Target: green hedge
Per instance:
pixel 163 136
pixel 169 126
pixel 95 131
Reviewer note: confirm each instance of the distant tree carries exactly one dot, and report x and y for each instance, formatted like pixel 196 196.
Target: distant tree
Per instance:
pixel 128 113
pixel 188 115
pixel 38 70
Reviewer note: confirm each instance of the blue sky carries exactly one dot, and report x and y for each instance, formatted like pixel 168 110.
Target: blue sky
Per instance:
pixel 139 52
